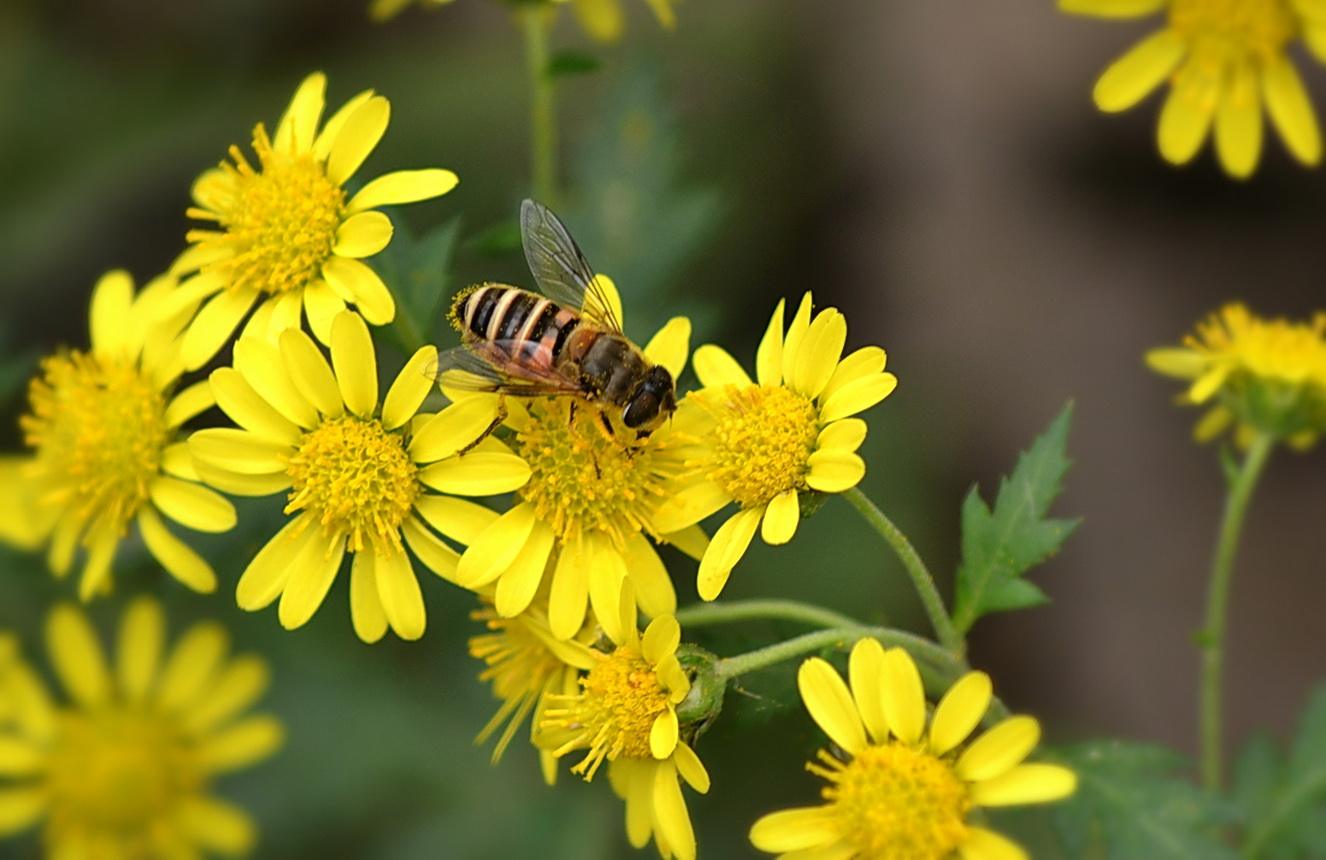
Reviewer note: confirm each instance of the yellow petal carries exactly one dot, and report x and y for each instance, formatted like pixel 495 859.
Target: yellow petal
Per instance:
pixel 398 590
pixel 214 325
pixel 570 590
pixel 795 830
pixel 904 697
pixel 649 578
pixel 357 138
pixel 355 364
pixel 264 369
pixel 454 428
pixel 520 581
pixel 241 745
pixel 430 549
pixel 781 518
pixel 1177 362
pixel 331 129
pixel 866 361
pixel 1290 108
pixel 496 547
pixel 1117 9
pixel 670 345
pixel 309 374
pixel 112 328
pixel 266 575
pixel 232 690
pixel 478 473
pixel 20 757
pixel 216 825
pixel 600 19
pixel 458 519
pixel 239 401
pixel 1133 76
pixel 982 844
pixel 725 550
pixel 857 396
pixel 691 768
pixel 663 734
pixel 670 815
pixel 236 484
pixel 846 434
pixel 237 451
pixel 312 573
pixel 999 750
pixel 687 507
pixel 408 391
pixel 189 403
pixel 1186 116
pixel 819 353
pixel 834 471
pixel 661 639
pixel 189 669
pixel 960 711
pixel 192 505
pixel 715 367
pixel 21 808
pixel 297 129
pixel 76 656
pixel 866 673
pixel 796 332
pixel 830 704
pixel 403 186
pixel 1026 783
pixel 179 560
pixel 1238 128
pixel 321 304
pixel 769 356
pixel 362 235
pixel 612 600
pixel 370 622
pixel 138 654
pixel 354 280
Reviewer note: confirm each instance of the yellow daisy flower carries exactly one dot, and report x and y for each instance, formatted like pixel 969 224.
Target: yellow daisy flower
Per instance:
pixel 104 426
pixel 124 769
pixel 897 787
pixel 1225 61
pixel 356 476
pixel 1258 374
pixel 286 237
pixel 587 513
pixel 626 713
pixel 763 444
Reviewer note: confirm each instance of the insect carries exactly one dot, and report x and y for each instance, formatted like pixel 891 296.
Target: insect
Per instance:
pixel 566 341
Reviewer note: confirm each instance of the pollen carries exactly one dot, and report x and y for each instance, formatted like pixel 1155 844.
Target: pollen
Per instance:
pixel 584 479
pixel 763 438
pixel 279 220
pixel 620 699
pixel 99 428
pixel 356 480
pixel 117 770
pixel 894 802
pixel 1253 26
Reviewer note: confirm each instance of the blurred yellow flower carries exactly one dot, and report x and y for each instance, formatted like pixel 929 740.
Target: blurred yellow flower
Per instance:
pixel 763 444
pixel 124 770
pixel 898 788
pixel 286 234
pixel 600 19
pixel 587 513
pixel 1225 60
pixel 104 426
pixel 1260 374
pixel 625 713
pixel 357 476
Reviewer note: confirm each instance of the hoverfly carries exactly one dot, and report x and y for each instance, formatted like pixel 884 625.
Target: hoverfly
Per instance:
pixel 566 341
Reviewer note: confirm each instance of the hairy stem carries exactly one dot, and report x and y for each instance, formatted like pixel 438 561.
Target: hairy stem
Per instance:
pixel 543 122
pixel 750 610
pixel 1217 603
pixel 922 581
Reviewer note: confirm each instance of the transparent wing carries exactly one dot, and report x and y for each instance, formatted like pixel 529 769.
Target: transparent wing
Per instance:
pixel 560 268
pixel 488 366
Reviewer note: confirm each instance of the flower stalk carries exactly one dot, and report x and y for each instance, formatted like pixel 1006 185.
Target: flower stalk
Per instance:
pixel 543 122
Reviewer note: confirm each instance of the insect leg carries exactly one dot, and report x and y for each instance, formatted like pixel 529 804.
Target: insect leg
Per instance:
pixel 498 418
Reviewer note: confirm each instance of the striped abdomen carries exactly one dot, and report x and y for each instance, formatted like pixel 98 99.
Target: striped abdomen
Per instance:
pixel 531 329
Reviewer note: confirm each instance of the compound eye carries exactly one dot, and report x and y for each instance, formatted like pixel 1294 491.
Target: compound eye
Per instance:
pixel 642 409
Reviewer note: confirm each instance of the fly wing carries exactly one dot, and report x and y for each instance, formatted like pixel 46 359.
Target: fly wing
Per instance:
pixel 489 366
pixel 560 268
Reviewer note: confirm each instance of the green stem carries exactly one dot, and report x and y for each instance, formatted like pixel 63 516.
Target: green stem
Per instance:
pixel 923 582
pixel 1217 603
pixel 748 610
pixel 543 121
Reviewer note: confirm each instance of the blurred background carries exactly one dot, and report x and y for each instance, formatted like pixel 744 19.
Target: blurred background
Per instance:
pixel 934 169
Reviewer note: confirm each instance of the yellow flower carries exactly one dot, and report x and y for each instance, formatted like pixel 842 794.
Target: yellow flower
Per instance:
pixel 1225 61
pixel 898 788
pixel 763 444
pixel 1264 374
pixel 525 664
pixel 104 426
pixel 600 19
pixel 626 713
pixel 356 477
pixel 587 513
pixel 124 770
pixel 286 234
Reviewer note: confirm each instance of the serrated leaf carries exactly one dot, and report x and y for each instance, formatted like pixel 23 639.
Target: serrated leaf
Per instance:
pixel 1282 799
pixel 999 546
pixel 565 63
pixel 1130 804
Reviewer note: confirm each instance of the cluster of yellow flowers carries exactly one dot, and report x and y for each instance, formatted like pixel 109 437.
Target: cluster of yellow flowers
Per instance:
pixel 562 575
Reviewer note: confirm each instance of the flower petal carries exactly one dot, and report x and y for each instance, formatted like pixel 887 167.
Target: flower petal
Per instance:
pixel 819 353
pixel 660 639
pixel 865 670
pixel 691 768
pixel 192 663
pixel 769 355
pixel 1186 117
pixel 459 519
pixel 409 389
pixel 214 325
pixel 1144 67
pixel 1290 108
pixel 795 333
pixel 241 745
pixel 237 451
pixel 370 621
pixel 21 808
pixel 189 403
pixel 520 581
pixel 670 816
pixel 725 550
pixel 355 364
pixel 649 578
pixel 663 735
pixel 357 138
pixel 76 656
pixel 830 704
pixel 138 654
pixel 331 129
pixel 570 590
pixel 312 573
pixel 795 830
pixel 846 434
pixel 982 844
pixel 999 750
pixel 353 279
pixel 398 590
pixel 716 367
pixel 266 575
pixel 453 429
pixel 430 549
pixel 297 129
pixel 689 506
pixel 960 711
pixel 614 609
pixel 264 369
pixel 111 328
pixel 243 405
pixel 362 235
pixel 496 547
pixel 321 304
pixel 1112 9
pixel 834 471
pixel 904 696
pixel 866 361
pixel 857 396
pixel 1026 783
pixel 192 505
pixel 216 825
pixel 231 691
pixel 179 560
pixel 478 473
pixel 780 518
pixel 309 374
pixel 670 345
pixel 403 186
pixel 1238 128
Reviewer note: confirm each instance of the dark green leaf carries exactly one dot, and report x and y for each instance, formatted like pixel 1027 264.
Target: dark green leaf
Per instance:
pixel 572 63
pixel 499 240
pixel 1000 546
pixel 1130 804
pixel 1283 799
pixel 417 269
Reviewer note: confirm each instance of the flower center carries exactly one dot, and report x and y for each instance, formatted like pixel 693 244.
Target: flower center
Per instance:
pixel 279 221
pixel 620 699
pixel 356 479
pixel 896 803
pixel 99 428
pixel 584 480
pixel 117 771
pixel 1259 27
pixel 764 436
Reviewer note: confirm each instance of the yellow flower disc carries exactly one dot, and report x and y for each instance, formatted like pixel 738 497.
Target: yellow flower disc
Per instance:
pixel 1261 27
pixel 762 441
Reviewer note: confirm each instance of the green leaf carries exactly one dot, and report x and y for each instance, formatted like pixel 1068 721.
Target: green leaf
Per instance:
pixel 1283 799
pixel 1130 805
pixel 497 240
pixel 566 63
pixel 417 269
pixel 1000 546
